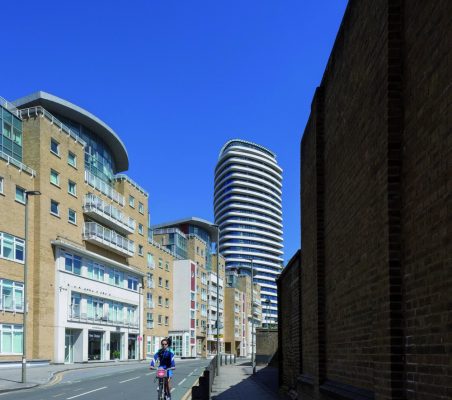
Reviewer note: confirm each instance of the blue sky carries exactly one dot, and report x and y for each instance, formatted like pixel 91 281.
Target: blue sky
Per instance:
pixel 177 79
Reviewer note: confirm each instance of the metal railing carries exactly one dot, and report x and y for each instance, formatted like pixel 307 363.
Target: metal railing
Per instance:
pixel 11 304
pixel 9 106
pixel 26 113
pixel 93 230
pixel 104 188
pixel 18 164
pixel 96 204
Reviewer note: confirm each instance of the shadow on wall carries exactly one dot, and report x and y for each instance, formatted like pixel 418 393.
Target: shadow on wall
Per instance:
pixel 266 346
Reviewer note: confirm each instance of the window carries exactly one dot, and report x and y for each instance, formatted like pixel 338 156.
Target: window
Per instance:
pixel 140 229
pixel 131 201
pixel 72 263
pixel 11 247
pixel 149 300
pixel 11 295
pixel 54 177
pixel 150 260
pixel 160 320
pixel 160 281
pixel 140 207
pixel 1 184
pixel 167 265
pixel 166 284
pixel 96 271
pixel 166 320
pixel 54 147
pixel 160 302
pixel 150 280
pixel 54 207
pixel 72 159
pixel 140 250
pixel 132 283
pixel 20 194
pixel 167 303
pixel 72 216
pixel 72 188
pixel 149 320
pixel 116 277
pixel 11 339
pixel 160 263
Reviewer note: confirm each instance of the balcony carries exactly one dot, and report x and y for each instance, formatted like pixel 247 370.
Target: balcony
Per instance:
pixel 108 214
pixel 108 239
pixel 104 188
pixel 75 315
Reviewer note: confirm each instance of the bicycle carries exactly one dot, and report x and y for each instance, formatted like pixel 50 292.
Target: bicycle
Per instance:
pixel 162 376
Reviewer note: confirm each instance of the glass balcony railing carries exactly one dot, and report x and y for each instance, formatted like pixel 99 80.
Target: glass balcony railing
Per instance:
pixel 74 314
pixel 104 188
pixel 109 214
pixel 107 238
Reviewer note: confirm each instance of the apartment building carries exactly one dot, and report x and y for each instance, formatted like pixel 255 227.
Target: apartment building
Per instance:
pixel 88 253
pixel 158 296
pixel 241 307
pixel 248 209
pixel 192 239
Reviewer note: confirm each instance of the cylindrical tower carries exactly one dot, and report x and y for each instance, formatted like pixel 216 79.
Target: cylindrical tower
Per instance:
pixel 248 209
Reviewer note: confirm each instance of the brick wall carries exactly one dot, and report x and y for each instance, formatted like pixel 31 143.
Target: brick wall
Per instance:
pixel 376 184
pixel 289 319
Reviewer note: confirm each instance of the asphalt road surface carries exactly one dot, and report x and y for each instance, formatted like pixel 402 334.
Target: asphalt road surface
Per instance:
pixel 108 383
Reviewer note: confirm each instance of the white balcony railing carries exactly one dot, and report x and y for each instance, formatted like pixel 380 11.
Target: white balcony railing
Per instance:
pixel 107 238
pixel 8 303
pixel 108 213
pixel 104 188
pixel 74 314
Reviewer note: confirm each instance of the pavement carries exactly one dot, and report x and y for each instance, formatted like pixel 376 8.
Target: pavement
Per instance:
pixel 236 382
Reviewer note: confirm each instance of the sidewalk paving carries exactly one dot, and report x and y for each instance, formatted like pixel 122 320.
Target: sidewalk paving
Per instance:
pixel 11 376
pixel 236 382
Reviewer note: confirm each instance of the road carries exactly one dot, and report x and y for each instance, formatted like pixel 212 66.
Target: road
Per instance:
pixel 109 383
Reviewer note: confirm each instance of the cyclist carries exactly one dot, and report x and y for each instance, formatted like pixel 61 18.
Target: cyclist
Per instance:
pixel 166 360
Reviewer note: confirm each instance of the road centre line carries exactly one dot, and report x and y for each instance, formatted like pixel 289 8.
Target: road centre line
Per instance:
pixel 150 373
pixel 131 379
pixel 182 381
pixel 82 394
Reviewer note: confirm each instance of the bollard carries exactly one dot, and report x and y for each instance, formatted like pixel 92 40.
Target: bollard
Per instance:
pixel 235 358
pixel 225 359
pixel 230 358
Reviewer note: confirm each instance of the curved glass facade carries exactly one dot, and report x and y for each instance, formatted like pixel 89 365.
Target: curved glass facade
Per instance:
pixel 248 209
pixel 98 157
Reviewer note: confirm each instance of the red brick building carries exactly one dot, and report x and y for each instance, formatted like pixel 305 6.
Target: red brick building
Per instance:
pixel 376 184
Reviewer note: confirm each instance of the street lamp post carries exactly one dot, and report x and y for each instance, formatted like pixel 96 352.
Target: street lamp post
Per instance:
pixel 267 309
pixel 253 363
pixel 24 326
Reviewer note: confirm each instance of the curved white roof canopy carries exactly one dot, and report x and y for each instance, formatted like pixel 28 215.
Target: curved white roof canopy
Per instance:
pixel 56 105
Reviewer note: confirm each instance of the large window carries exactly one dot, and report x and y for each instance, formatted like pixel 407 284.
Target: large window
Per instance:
pixel 10 134
pixel 11 247
pixel 132 283
pixel 150 261
pixel 11 295
pixel 11 339
pixel 96 271
pixel 72 263
pixel 1 184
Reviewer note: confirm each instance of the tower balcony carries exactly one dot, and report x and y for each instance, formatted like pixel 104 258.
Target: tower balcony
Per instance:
pixel 108 239
pixel 108 214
